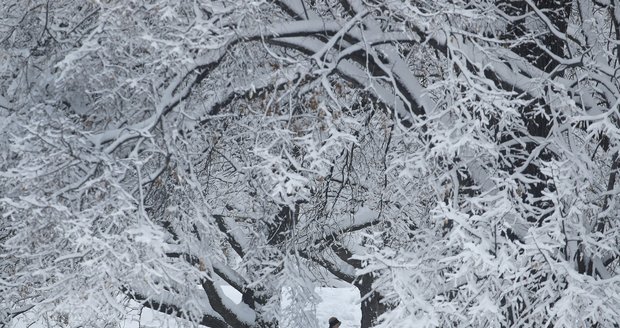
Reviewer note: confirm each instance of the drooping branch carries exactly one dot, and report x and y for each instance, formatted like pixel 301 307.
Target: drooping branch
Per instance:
pixel 218 301
pixel 208 320
pixel 222 305
pixel 333 268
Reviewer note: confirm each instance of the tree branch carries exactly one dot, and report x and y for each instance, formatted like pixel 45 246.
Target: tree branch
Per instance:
pixel 208 320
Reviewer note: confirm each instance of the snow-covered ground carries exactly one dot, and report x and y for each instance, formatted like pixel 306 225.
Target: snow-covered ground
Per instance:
pixel 343 303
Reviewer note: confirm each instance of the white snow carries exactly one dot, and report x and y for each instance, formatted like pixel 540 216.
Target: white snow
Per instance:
pixel 343 303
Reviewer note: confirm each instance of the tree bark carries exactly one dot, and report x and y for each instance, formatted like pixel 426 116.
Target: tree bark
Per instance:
pixel 371 305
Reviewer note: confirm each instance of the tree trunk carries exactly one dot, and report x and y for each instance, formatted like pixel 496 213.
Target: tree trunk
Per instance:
pixel 371 305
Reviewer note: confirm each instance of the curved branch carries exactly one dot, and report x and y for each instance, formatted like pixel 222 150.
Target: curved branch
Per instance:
pixel 222 305
pixel 208 320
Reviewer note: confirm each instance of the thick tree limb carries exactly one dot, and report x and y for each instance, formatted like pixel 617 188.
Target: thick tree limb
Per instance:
pixel 208 320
